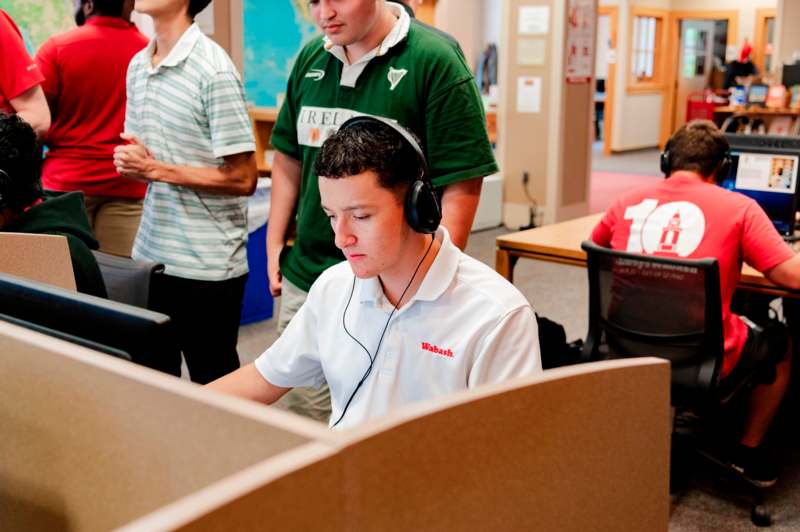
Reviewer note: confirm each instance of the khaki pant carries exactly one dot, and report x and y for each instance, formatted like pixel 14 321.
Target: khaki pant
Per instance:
pixel 115 222
pixel 310 402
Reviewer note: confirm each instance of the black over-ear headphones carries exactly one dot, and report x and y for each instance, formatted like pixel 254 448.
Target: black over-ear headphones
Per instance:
pixel 421 205
pixel 723 166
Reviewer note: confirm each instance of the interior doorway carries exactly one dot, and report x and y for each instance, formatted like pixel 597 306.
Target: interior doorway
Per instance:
pixel 701 61
pixel 764 40
pixel 605 75
pixel 686 48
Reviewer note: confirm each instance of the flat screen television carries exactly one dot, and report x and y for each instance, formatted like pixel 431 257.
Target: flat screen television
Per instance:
pixel 765 168
pixel 128 332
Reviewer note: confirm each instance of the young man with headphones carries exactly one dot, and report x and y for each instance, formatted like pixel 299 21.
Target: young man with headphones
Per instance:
pixel 704 220
pixel 408 316
pixel 25 209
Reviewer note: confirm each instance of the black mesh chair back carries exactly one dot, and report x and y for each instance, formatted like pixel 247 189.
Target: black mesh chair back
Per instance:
pixel 127 280
pixel 642 305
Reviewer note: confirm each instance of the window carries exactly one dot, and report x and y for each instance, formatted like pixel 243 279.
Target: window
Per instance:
pixel 647 33
pixel 644 48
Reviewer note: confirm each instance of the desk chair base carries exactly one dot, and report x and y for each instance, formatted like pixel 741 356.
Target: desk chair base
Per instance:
pixel 728 480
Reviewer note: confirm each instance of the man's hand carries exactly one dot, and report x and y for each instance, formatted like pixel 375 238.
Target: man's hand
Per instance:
pixel 133 160
pixel 274 269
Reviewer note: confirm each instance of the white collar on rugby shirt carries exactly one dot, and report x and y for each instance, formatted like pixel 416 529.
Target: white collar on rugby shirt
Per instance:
pixel 351 72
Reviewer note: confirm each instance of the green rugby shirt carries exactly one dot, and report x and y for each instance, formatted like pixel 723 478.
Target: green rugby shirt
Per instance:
pixel 421 82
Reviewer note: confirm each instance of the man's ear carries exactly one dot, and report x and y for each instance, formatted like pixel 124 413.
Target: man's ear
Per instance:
pixel 88 8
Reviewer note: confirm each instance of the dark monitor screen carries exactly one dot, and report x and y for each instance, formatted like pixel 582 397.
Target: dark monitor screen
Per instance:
pixel 140 335
pixel 766 170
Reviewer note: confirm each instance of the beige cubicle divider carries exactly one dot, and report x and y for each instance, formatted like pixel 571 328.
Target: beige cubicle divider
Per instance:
pixel 575 449
pixel 43 258
pixel 94 443
pixel 89 442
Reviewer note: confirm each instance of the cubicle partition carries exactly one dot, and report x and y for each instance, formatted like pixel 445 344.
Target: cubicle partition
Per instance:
pixel 94 443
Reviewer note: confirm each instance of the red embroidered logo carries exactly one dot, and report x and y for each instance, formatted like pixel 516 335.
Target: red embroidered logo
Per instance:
pixel 438 350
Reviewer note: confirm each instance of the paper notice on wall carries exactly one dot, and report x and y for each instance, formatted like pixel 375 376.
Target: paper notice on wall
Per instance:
pixel 529 94
pixel 534 20
pixel 580 41
pixel 530 52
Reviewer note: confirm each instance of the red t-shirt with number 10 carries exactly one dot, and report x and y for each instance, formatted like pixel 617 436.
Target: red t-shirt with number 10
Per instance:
pixel 701 220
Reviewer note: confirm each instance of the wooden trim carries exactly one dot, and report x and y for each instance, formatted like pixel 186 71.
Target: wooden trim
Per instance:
pixel 671 57
pixel 645 87
pixel 760 39
pixel 658 61
pixel 608 108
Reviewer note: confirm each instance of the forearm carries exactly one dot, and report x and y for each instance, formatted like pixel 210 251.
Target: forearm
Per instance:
pixel 32 107
pixel 231 180
pixel 283 200
pixel 459 203
pixel 248 383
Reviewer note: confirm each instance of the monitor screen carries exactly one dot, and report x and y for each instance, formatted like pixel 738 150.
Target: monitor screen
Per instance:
pixel 757 94
pixel 767 172
pixel 137 334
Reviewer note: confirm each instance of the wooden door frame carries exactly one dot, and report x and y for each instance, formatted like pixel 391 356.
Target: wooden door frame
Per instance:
pixel 611 79
pixel 673 42
pixel 760 39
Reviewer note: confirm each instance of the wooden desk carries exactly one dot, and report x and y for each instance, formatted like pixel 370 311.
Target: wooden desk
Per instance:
pixel 561 243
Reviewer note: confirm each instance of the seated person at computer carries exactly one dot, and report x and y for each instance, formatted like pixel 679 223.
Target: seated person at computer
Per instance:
pixel 688 216
pixel 24 209
pixel 408 316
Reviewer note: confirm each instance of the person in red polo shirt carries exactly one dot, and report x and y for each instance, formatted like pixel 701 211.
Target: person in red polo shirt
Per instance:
pixel 688 216
pixel 84 80
pixel 20 79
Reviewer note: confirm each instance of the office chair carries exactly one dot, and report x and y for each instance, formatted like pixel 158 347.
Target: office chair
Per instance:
pixel 127 280
pixel 642 305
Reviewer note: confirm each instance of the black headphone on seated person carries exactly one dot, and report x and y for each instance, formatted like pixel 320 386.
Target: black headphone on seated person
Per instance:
pixel 723 166
pixel 421 205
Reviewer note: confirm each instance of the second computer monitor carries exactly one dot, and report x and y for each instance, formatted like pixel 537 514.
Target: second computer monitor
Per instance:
pixel 765 168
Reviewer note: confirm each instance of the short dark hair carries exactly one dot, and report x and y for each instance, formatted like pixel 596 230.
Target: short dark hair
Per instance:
pixel 21 159
pixel 698 146
pixel 196 6
pixel 108 8
pixel 370 146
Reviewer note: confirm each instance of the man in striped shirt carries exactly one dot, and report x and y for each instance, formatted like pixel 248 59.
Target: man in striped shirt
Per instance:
pixel 189 136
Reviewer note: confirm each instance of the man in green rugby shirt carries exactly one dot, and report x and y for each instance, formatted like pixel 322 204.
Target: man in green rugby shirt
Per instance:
pixel 371 60
pixel 190 138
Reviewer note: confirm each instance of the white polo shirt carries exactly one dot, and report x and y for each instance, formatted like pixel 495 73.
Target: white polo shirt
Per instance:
pixel 465 326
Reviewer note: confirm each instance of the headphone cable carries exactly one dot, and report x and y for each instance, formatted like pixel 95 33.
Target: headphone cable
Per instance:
pixel 383 333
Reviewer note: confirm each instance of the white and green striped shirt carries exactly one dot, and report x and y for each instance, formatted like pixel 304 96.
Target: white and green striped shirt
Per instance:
pixel 190 111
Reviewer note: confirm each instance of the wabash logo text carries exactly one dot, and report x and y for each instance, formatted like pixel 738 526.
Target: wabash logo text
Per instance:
pixel 438 350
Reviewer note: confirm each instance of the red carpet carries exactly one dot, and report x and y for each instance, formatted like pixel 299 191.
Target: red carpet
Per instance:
pixel 607 187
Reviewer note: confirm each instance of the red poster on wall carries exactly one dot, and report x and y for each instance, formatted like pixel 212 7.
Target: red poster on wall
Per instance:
pixel 580 41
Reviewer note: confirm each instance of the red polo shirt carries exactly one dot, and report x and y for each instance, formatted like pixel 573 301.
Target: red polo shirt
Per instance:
pixel 84 71
pixel 18 72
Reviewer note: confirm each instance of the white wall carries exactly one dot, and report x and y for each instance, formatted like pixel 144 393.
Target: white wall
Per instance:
pixel 787 38
pixel 491 21
pixel 463 20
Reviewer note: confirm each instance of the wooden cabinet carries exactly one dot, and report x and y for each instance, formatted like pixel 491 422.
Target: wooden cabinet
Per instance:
pixel 263 119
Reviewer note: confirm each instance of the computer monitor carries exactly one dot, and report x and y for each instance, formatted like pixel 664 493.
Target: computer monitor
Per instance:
pixel 757 95
pixel 765 168
pixel 128 332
